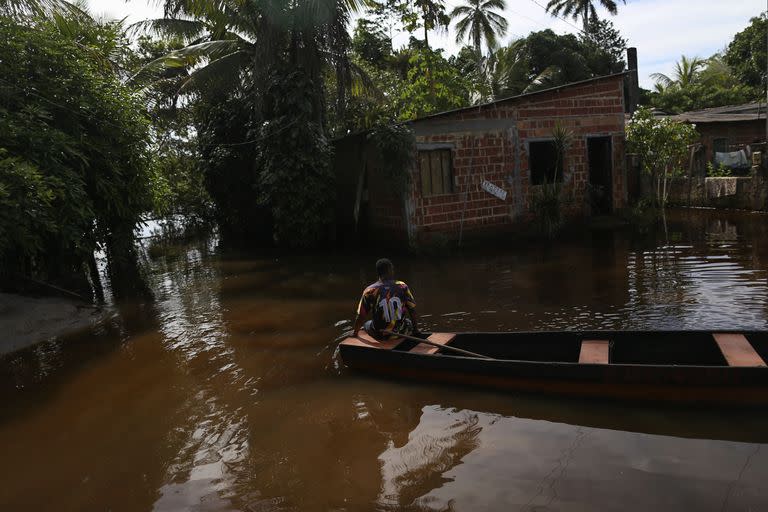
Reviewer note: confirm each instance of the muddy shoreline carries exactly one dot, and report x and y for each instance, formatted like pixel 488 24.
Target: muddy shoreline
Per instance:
pixel 26 321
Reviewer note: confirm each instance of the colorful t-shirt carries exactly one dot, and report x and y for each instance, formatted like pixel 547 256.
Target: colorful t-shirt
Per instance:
pixel 386 300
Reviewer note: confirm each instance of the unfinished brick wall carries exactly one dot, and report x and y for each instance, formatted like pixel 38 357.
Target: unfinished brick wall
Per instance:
pixel 498 153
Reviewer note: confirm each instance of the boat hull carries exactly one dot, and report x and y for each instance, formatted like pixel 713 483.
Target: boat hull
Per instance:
pixel 691 383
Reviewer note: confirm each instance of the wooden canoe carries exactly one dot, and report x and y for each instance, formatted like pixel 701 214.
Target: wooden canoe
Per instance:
pixel 724 367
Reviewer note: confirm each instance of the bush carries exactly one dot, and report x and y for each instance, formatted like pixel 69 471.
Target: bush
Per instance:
pixel 76 169
pixel 719 171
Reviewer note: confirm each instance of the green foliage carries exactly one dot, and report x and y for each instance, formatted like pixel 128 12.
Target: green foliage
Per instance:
pixel 545 59
pixel 548 199
pixel 262 136
pixel 748 53
pixel 478 22
pixel 71 128
pixel 584 9
pixel 675 100
pixel 697 84
pixel 735 77
pixel 396 147
pixel 370 42
pixel 662 145
pixel 604 47
pixel 27 215
pixel 546 206
pixel 562 137
pixel 180 178
pixel 226 130
pixel 433 85
pixel 719 171
pixel 295 175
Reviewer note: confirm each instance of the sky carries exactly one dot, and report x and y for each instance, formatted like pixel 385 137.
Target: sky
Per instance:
pixel 661 30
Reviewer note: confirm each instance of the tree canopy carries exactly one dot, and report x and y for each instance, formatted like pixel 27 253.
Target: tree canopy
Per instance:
pixel 75 162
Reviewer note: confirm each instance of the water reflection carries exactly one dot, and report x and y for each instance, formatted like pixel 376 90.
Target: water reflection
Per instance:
pixel 519 464
pixel 226 392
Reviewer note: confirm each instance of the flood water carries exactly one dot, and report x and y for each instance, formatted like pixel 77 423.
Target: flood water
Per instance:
pixel 226 393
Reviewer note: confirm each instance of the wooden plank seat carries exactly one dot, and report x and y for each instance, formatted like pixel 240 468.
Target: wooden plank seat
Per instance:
pixel 443 338
pixel 594 352
pixel 364 340
pixel 737 350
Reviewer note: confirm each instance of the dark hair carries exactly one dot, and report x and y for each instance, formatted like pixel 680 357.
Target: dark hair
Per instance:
pixel 383 267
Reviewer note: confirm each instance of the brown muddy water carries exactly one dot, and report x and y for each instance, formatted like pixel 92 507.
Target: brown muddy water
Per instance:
pixel 227 393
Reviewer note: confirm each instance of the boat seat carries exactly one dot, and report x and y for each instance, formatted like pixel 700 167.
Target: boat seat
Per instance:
pixel 594 352
pixel 443 338
pixel 737 350
pixel 364 340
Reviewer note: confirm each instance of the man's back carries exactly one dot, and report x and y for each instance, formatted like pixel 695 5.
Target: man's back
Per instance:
pixel 387 300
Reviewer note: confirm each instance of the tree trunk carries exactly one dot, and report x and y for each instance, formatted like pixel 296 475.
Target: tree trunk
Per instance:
pixel 586 18
pixel 126 276
pixel 429 62
pixel 93 270
pixel 478 48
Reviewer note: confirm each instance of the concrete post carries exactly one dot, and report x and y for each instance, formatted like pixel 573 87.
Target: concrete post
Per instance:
pixel 634 81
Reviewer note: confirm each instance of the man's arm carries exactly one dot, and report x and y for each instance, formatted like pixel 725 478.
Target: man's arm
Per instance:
pixel 414 318
pixel 410 306
pixel 362 314
pixel 359 322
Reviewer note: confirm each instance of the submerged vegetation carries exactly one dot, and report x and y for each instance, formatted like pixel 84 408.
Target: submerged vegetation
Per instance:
pixel 76 167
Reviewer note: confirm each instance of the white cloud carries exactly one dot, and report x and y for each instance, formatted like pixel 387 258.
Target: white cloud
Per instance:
pixel 133 10
pixel 662 30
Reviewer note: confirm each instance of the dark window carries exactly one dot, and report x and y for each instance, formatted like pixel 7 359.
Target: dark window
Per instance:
pixel 719 145
pixel 436 172
pixel 542 159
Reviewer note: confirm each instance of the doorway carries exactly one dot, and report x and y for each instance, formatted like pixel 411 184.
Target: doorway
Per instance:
pixel 600 159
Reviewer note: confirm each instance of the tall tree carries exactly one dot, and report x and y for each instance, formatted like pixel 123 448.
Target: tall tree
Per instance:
pixel 478 21
pixel 748 52
pixel 77 139
pixel 431 15
pixel 274 61
pixel 584 9
pixel 686 73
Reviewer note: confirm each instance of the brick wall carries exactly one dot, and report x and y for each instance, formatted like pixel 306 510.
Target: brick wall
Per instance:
pixel 384 205
pixel 738 134
pixel 490 143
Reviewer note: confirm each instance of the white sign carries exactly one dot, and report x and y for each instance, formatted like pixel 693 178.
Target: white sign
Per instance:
pixel 494 190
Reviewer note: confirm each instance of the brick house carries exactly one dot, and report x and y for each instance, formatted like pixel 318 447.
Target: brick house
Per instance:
pixel 478 168
pixel 725 129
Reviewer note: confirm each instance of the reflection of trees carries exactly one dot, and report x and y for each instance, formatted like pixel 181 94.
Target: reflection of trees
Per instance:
pixel 416 468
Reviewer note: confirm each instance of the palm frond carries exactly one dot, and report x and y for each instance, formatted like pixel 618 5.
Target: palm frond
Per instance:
pixel 187 57
pixel 185 29
pixel 543 79
pixel 662 79
pixel 222 72
pixel 19 8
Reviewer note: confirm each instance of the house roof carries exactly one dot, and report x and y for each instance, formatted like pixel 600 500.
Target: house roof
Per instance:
pixel 728 114
pixel 518 97
pixel 490 103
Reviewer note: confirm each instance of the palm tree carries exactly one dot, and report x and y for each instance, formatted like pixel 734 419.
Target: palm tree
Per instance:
pixel 686 73
pixel 480 23
pixel 230 39
pixel 584 9
pixel 20 8
pixel 508 72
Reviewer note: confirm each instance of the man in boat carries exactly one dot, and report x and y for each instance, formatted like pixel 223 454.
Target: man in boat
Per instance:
pixel 387 301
